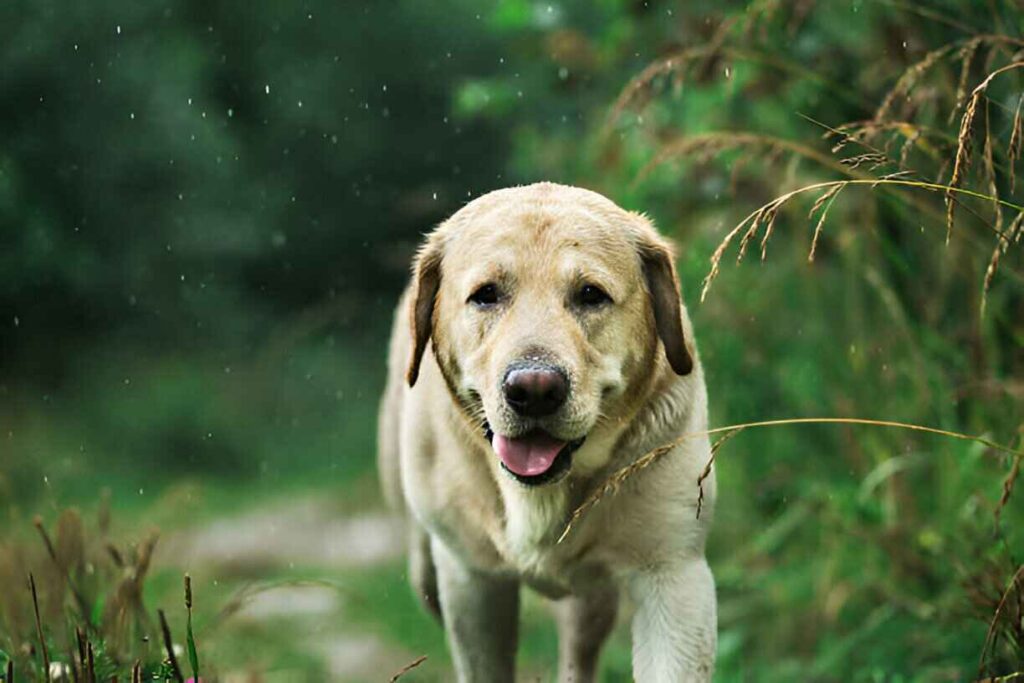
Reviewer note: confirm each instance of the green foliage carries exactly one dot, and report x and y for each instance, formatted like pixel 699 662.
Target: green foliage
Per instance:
pixel 833 546
pixel 207 212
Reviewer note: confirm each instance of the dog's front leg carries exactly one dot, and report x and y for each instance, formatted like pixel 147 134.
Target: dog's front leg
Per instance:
pixel 481 619
pixel 584 622
pixel 674 628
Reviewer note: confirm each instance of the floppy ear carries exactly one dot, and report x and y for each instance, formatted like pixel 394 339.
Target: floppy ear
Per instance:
pixel 663 287
pixel 426 281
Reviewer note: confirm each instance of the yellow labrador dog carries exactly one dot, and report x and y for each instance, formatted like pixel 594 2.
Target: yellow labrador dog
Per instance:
pixel 540 347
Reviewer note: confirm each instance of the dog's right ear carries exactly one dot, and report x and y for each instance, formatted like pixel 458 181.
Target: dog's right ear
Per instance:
pixel 426 282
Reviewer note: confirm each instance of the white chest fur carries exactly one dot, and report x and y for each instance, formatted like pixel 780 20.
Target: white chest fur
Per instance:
pixel 534 519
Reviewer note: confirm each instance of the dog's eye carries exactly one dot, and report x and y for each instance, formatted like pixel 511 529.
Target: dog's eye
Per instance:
pixel 592 295
pixel 485 295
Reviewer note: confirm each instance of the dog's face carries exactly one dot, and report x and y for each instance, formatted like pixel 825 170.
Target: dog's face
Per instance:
pixel 545 306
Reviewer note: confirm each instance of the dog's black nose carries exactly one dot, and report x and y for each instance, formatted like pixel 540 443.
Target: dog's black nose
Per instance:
pixel 535 390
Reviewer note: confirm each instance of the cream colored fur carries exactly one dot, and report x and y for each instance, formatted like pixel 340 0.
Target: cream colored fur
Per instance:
pixel 477 534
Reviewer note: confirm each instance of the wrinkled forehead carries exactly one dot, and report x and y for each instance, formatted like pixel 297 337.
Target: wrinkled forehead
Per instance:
pixel 564 240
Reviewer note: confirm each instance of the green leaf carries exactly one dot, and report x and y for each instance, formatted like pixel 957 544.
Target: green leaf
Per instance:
pixel 190 641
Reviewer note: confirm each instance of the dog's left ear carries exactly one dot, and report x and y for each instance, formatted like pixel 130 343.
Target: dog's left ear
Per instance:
pixel 659 269
pixel 426 282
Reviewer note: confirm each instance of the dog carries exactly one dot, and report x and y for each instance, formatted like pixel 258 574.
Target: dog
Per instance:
pixel 540 347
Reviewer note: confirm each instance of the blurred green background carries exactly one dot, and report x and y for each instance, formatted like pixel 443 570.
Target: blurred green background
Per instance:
pixel 208 209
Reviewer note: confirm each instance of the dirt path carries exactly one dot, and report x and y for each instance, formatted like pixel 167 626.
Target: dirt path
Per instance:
pixel 308 533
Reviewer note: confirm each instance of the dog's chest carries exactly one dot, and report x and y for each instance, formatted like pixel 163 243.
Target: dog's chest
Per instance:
pixel 533 524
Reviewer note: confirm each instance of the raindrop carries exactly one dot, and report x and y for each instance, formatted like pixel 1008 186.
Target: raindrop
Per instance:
pixel 300 104
pixel 231 112
pixel 266 88
pixel 131 115
pixel 119 30
pixel 563 73
pixel 17 321
pixel 728 72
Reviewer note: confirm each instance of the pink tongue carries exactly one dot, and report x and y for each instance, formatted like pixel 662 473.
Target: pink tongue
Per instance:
pixel 528 455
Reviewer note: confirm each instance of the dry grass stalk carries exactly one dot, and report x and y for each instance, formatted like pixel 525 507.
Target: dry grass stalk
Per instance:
pixel 990 636
pixel 963 157
pixel 864 132
pixel 408 667
pixel 769 221
pixel 966 54
pixel 71 540
pixel 39 628
pixel 169 647
pixel 909 78
pixel 1010 236
pixel 705 146
pixel 872 159
pixel 675 64
pixel 990 172
pixel 1008 483
pixel 80 642
pixel 90 662
pixel 124 615
pixel 908 145
pixel 706 472
pixel 828 196
pixel 759 218
pixel 612 483
pixel 643 81
pixel 964 49
pixel 617 478
pixel 1014 148
pixel 753 220
pixel 964 142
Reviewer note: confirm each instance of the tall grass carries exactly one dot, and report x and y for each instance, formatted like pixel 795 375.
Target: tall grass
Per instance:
pixel 84 620
pixel 930 141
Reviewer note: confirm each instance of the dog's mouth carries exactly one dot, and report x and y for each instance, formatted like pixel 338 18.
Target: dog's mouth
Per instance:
pixel 534 458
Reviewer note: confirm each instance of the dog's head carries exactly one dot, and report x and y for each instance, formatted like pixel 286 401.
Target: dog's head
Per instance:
pixel 549 309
